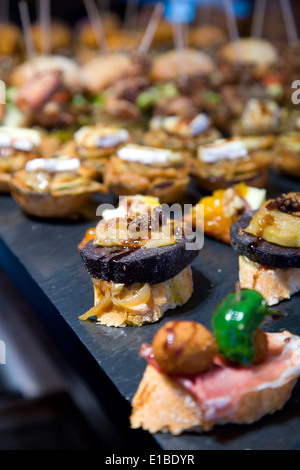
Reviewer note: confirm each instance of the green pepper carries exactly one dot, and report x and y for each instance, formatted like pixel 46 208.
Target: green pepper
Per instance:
pixel 213 97
pixel 99 99
pixel 235 321
pixel 275 90
pixel 11 93
pixel 168 90
pixel 79 100
pixel 63 134
pixel 148 98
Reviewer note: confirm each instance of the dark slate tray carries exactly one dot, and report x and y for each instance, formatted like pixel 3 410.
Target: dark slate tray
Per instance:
pixel 43 260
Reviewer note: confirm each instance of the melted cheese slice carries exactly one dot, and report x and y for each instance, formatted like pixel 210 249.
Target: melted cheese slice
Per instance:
pixel 222 149
pixel 19 138
pixel 148 155
pixel 276 227
pixel 255 197
pixel 53 165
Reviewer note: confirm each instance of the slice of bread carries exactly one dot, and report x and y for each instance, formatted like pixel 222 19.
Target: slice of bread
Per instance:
pixel 275 284
pixel 164 296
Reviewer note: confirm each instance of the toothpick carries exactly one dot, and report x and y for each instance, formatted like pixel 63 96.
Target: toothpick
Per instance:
pixel 151 28
pixel 96 23
pixel 31 52
pixel 130 16
pixel 207 14
pixel 179 45
pixel 186 33
pixel 103 5
pixel 37 8
pixel 233 29
pixel 258 18
pixel 4 11
pixel 45 25
pixel 289 21
pixel 238 291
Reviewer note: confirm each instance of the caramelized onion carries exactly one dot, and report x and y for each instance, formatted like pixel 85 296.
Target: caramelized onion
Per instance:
pixel 162 242
pixel 140 297
pixel 116 288
pixel 98 308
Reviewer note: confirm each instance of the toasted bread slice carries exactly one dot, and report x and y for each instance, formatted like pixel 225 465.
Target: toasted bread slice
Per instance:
pixel 275 284
pixel 164 296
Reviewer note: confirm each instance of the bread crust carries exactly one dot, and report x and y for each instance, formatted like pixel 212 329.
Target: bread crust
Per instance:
pixel 5 183
pixel 155 402
pixel 129 178
pixel 162 405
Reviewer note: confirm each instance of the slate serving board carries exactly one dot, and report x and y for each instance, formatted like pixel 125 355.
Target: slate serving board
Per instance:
pixel 43 260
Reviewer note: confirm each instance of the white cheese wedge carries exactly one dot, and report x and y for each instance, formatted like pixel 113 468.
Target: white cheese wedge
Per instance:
pixel 120 211
pixel 53 165
pixel 222 149
pixel 19 138
pixel 147 155
pixel 132 205
pixel 199 124
pixel 255 197
pixel 100 137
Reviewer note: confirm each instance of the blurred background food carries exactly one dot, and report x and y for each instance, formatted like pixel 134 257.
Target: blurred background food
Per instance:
pixel 177 77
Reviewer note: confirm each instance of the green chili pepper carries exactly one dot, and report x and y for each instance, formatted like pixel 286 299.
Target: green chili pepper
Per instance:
pixel 235 321
pixel 148 98
pixel 11 93
pixel 168 90
pixel 79 100
pixel 213 97
pixel 99 99
pixel 275 90
pixel 63 134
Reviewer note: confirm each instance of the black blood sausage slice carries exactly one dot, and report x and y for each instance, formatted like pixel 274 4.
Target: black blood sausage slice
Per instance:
pixel 261 251
pixel 125 266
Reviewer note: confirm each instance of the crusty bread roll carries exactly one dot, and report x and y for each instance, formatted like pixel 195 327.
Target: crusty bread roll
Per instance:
pixel 60 37
pixel 255 52
pixel 71 72
pixel 165 404
pixel 168 65
pixel 207 37
pixel 102 71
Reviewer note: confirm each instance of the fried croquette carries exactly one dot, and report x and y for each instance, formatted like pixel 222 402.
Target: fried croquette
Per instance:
pixel 184 347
